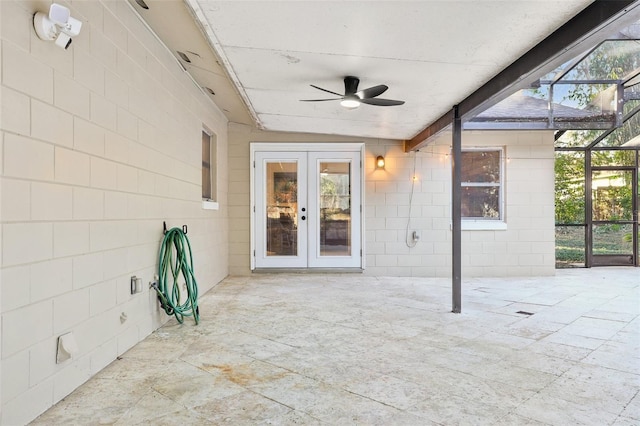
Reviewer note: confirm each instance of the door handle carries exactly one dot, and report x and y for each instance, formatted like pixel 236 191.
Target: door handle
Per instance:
pixel 303 217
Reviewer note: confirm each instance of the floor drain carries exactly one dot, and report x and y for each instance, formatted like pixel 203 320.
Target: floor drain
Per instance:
pixel 524 313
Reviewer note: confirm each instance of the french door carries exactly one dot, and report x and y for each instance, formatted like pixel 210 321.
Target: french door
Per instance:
pixel 307 207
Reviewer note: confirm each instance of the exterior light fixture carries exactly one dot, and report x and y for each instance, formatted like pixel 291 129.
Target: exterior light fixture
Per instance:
pixel 350 102
pixel 58 25
pixel 380 162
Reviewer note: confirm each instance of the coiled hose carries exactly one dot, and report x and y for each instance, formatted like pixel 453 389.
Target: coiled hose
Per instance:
pixel 175 259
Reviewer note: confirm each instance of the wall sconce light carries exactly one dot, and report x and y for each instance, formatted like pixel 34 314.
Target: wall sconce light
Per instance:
pixel 380 162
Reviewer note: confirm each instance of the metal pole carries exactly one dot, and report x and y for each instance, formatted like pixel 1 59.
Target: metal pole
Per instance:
pixel 456 212
pixel 636 207
pixel 588 210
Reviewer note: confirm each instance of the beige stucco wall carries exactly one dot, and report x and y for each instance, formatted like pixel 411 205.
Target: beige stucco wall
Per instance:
pixel 526 247
pixel 101 143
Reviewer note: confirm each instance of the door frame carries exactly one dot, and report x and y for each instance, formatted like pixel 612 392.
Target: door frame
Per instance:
pixel 592 259
pixel 303 147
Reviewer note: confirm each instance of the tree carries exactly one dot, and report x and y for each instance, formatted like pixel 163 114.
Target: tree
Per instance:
pixel 569 194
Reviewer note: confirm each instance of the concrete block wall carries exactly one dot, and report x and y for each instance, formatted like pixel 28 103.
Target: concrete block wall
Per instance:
pixel 525 248
pixel 412 193
pixel 100 144
pixel 240 138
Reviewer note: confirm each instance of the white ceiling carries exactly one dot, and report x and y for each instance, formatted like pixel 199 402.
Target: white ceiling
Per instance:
pixel 431 54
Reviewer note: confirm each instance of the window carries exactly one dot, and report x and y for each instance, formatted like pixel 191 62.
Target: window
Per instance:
pixel 209 184
pixel 482 176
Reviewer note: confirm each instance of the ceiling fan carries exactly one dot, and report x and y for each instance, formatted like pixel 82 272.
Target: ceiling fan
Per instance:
pixel 352 98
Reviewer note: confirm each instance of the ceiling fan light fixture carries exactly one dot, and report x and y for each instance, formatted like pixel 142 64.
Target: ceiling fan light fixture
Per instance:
pixel 353 97
pixel 350 102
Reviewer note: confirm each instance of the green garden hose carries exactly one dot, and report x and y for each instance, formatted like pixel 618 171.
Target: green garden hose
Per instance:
pixel 175 259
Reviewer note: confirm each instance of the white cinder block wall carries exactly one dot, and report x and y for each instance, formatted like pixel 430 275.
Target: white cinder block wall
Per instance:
pixel 100 144
pixel 525 248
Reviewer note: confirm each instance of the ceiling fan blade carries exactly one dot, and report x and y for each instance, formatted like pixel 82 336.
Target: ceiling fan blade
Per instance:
pixel 372 92
pixel 381 102
pixel 325 90
pixel 319 100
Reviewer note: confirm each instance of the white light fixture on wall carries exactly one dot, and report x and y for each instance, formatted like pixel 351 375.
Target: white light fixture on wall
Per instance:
pixel 380 162
pixel 59 25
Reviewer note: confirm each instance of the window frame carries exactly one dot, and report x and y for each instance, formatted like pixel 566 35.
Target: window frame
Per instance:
pixel 209 201
pixel 477 223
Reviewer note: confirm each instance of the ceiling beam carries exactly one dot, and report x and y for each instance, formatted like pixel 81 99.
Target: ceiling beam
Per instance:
pixel 583 31
pixel 430 131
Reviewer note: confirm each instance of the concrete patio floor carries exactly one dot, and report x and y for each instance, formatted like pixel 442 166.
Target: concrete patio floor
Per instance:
pixel 351 349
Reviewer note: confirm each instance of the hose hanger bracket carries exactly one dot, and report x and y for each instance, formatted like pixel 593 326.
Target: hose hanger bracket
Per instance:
pixel 164 228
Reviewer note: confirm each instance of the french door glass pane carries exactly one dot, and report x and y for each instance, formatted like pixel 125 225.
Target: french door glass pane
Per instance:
pixel 335 209
pixel 282 208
